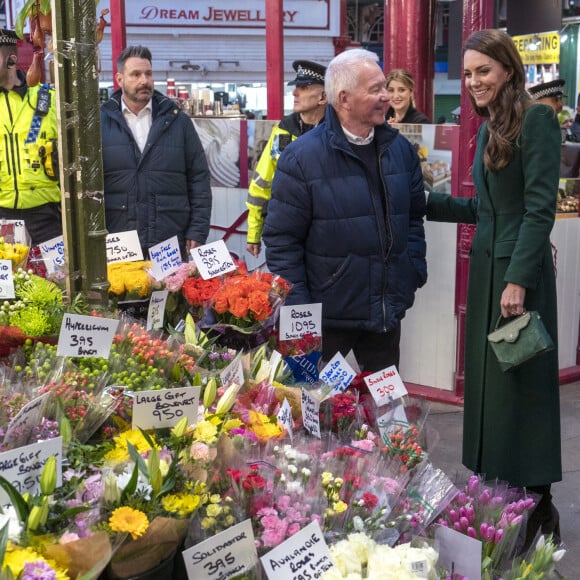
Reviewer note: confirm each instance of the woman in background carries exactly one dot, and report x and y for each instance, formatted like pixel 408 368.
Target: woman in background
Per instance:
pixel 511 428
pixel 400 86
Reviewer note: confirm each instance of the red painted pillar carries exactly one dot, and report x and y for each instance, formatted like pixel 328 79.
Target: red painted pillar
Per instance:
pixel 275 59
pixel 477 15
pixel 410 44
pixel 118 33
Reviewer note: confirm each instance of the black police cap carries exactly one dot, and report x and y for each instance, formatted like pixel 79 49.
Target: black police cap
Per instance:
pixel 308 73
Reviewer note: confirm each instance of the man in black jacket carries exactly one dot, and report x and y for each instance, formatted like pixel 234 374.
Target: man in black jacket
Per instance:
pixel 155 172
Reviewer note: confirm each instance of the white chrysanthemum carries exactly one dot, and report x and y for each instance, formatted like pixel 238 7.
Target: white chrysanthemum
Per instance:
pixel 14 527
pixel 294 487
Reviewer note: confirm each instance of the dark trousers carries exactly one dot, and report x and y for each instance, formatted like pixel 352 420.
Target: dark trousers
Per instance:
pixel 374 351
pixel 42 223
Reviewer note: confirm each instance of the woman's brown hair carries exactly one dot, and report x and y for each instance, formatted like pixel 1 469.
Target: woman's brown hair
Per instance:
pixel 511 102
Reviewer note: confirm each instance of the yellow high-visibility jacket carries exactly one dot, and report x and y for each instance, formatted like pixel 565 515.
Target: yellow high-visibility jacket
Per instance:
pixel 24 137
pixel 260 189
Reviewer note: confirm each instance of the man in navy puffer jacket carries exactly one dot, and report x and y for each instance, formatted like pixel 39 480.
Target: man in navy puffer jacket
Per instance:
pixel 155 172
pixel 345 223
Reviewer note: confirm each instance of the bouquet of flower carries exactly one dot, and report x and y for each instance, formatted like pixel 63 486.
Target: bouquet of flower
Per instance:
pixel 539 563
pixel 493 513
pixel 16 253
pixel 129 280
pixel 359 557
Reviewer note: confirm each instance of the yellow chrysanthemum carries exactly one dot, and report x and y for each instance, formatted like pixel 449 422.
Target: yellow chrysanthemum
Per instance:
pixel 206 432
pixel 129 520
pixel 121 451
pixel 339 507
pixel 263 427
pixel 182 504
pixel 17 557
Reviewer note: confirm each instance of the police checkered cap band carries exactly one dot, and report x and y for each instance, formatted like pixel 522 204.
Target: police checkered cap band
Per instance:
pixel 307 72
pixel 549 92
pixel 8 37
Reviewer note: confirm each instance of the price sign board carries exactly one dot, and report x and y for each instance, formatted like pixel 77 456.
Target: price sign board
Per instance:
pixel 304 555
pixel 310 413
pixel 156 310
pixel 165 258
pixel 86 336
pixel 165 408
pixel 53 254
pixel 296 321
pixel 123 247
pixel 226 555
pixel 213 259
pixel 285 417
pixel 337 373
pixel 22 467
pixel 6 279
pixel 386 385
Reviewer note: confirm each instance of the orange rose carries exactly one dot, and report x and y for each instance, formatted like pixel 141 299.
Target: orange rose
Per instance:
pixel 239 307
pixel 221 302
pixel 259 304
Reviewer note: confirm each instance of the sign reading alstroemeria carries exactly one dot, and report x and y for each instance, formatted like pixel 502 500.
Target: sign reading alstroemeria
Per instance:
pixel 227 555
pixel 86 336
pixel 213 259
pixel 304 555
pixel 385 385
pixel 156 310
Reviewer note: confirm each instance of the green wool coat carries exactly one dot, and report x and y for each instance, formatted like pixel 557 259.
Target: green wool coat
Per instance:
pixel 511 427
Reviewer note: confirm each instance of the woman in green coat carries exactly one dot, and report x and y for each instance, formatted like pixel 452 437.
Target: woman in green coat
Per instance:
pixel 511 427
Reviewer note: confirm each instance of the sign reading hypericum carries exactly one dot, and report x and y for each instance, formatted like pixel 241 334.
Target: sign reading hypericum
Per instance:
pixel 237 17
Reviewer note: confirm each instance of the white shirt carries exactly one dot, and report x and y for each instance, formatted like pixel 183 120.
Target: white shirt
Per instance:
pixel 356 140
pixel 139 123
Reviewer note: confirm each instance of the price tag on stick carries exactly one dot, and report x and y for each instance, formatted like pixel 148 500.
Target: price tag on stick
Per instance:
pixel 213 259
pixel 296 321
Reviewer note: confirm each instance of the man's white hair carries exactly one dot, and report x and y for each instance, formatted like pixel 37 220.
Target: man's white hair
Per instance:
pixel 343 70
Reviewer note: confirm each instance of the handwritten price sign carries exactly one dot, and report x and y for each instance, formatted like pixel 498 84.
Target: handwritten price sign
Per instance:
pixel 123 247
pixel 156 310
pixel 213 259
pixel 165 258
pixel 226 555
pixel 86 336
pixel 6 279
pixel 385 386
pixel 337 373
pixel 165 408
pixel 53 254
pixel 296 321
pixel 310 413
pixel 22 467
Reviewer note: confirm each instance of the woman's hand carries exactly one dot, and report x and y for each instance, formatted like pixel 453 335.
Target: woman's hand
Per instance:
pixel 512 300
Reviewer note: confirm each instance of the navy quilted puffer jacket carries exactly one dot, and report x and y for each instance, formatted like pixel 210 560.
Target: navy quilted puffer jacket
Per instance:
pixel 327 232
pixel 164 191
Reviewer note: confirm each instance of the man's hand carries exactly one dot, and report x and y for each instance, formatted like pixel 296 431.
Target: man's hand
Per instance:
pixel 254 249
pixel 191 244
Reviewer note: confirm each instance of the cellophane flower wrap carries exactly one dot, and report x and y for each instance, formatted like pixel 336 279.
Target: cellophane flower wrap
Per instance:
pixel 493 513
pixel 303 356
pixel 241 308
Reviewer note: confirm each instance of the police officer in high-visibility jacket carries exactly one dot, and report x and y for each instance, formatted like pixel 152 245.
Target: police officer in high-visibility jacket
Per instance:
pixel 308 111
pixel 29 189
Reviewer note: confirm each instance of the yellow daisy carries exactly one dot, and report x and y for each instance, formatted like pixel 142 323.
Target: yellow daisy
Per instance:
pixel 127 519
